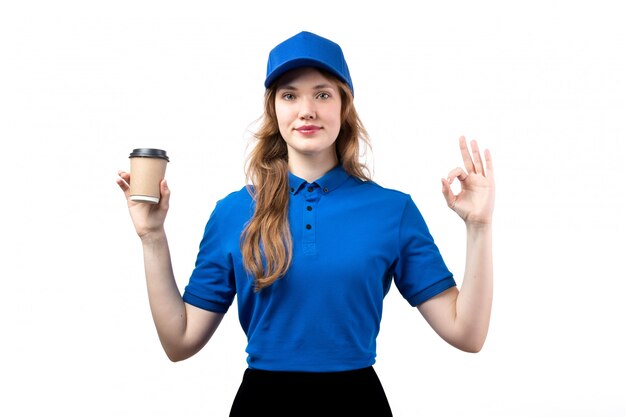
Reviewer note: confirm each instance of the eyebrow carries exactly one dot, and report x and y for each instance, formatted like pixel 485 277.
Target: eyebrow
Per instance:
pixel 317 87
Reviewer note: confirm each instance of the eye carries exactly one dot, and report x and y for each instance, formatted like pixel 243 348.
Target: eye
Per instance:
pixel 288 96
pixel 323 95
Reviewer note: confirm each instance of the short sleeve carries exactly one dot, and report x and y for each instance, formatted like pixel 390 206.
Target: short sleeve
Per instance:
pixel 212 283
pixel 420 271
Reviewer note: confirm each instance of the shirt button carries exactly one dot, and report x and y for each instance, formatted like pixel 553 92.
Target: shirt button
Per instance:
pixel 325 190
pixel 308 227
pixel 291 189
pixel 309 208
pixel 309 189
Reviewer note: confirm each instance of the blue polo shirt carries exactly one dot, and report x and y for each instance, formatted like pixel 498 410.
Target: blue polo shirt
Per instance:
pixel 351 239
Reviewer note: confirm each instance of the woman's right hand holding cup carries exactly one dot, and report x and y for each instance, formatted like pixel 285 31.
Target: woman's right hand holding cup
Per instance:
pixel 147 218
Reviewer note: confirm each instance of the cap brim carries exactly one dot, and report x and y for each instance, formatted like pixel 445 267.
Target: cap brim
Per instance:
pixel 299 63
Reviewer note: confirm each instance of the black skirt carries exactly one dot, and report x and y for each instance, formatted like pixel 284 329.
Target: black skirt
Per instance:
pixel 275 394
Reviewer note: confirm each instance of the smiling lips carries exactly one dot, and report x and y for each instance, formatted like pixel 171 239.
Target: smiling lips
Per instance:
pixel 308 129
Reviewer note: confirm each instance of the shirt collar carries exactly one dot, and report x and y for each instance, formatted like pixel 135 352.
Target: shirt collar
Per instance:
pixel 328 182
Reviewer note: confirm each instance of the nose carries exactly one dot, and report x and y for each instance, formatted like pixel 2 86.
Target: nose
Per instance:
pixel 307 109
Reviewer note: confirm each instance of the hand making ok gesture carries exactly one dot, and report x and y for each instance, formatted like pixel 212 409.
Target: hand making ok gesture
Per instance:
pixel 475 202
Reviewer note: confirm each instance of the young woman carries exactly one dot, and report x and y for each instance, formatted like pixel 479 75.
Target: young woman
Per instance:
pixel 310 248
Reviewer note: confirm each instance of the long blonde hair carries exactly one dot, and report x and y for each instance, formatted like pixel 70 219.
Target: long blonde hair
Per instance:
pixel 266 244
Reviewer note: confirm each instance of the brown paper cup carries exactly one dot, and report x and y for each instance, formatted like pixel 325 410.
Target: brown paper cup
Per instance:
pixel 147 169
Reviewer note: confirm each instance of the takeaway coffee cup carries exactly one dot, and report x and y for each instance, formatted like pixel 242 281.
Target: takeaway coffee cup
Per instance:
pixel 147 169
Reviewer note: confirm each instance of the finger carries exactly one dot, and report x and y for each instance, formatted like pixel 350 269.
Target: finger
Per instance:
pixel 165 195
pixel 447 193
pixel 478 162
pixel 457 173
pixel 124 176
pixel 123 181
pixel 488 163
pixel 465 153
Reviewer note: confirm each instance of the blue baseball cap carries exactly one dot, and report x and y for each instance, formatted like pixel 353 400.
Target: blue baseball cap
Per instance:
pixel 307 49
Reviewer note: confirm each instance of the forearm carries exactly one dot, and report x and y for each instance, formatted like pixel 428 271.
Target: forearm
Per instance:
pixel 166 304
pixel 473 304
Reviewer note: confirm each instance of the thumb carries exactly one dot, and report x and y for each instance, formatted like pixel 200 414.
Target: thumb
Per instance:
pixel 447 193
pixel 165 195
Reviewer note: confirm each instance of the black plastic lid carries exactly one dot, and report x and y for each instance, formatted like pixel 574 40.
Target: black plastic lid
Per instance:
pixel 149 153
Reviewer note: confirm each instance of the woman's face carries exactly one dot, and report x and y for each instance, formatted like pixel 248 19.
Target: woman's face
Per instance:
pixel 308 110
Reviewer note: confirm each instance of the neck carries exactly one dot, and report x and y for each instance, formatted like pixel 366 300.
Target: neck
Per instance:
pixel 310 168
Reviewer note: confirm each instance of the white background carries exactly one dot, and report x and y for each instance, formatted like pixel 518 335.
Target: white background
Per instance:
pixel 541 84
